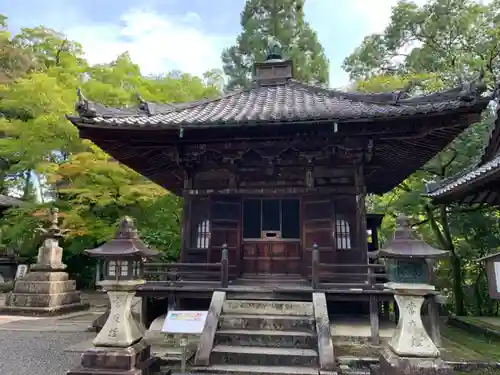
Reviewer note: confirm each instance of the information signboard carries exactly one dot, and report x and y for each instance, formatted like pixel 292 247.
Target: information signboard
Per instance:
pixel 188 322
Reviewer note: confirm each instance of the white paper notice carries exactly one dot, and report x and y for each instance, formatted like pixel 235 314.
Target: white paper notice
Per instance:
pixel 21 271
pixel 497 275
pixel 184 322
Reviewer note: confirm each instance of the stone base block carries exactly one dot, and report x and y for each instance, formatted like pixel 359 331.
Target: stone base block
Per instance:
pixel 46 276
pixel 392 364
pixel 43 293
pixel 47 267
pixel 44 287
pixel 42 300
pixel 43 311
pixel 134 360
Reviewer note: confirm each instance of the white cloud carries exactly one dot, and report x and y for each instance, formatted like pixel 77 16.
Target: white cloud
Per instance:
pixel 158 43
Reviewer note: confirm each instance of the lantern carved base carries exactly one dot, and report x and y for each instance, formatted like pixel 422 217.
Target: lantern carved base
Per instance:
pixel 133 360
pixel 120 329
pixel 392 364
pixel 410 339
pixel 43 293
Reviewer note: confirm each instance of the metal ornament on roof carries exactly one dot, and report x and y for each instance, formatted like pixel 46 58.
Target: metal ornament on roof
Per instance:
pixel 125 244
pixel 407 244
pixel 274 52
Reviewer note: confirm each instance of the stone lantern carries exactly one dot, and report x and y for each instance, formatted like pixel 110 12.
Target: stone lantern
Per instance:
pixel 119 347
pixel 406 257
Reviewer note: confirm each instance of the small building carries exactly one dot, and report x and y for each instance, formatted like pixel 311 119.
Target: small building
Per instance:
pixel 492 265
pixel 477 184
pixel 273 172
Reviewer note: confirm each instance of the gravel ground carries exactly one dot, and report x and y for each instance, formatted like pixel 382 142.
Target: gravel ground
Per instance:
pixel 38 353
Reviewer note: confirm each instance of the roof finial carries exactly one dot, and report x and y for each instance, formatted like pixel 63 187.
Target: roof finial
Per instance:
pixel 274 52
pixel 82 105
pixel 143 105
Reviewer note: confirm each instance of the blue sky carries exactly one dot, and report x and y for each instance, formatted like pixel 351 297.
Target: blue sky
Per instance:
pixel 189 35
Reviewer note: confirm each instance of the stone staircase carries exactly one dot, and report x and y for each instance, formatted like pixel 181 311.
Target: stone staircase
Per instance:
pixel 264 337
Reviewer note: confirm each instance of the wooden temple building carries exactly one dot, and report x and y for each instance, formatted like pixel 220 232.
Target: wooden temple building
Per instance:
pixel 478 184
pixel 274 179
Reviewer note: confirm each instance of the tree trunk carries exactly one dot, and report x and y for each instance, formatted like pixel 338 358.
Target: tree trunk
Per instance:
pixel 27 185
pixel 477 293
pixel 458 292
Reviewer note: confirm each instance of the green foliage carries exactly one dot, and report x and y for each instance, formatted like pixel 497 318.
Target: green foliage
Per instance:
pixel 439 44
pixel 266 22
pixel 42 156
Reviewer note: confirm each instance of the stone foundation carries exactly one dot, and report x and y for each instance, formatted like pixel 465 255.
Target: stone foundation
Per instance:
pixel 43 293
pixel 134 360
pixel 392 364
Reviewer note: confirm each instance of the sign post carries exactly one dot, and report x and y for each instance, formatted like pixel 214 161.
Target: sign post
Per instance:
pixel 184 322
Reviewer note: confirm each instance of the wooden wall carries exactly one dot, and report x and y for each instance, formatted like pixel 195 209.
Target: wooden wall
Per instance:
pixel 328 220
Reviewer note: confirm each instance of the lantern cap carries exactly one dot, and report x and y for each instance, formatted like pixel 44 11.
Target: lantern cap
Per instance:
pixel 125 244
pixel 407 244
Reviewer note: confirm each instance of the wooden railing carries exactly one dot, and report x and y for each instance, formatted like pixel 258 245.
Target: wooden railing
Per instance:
pixel 363 276
pixel 185 273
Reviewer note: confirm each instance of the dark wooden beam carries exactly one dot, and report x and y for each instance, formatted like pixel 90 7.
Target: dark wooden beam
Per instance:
pixel 286 190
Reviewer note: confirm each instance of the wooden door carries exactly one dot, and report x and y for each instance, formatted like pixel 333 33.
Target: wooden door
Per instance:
pixel 225 218
pixel 271 257
pixel 317 212
pixel 271 236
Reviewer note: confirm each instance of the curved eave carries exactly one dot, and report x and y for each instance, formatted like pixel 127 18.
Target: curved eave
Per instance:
pixel 471 187
pixel 146 122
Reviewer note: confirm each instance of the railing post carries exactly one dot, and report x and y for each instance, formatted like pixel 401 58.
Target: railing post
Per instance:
pixel 315 266
pixel 224 267
pixel 371 276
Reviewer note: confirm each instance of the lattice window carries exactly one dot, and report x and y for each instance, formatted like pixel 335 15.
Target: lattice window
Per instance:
pixel 112 268
pixel 124 268
pixel 203 234
pixel 343 234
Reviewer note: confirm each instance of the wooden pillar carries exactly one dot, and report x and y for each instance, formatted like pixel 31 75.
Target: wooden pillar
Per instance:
pixel 385 310
pixel 186 214
pixel 374 320
pixel 97 273
pixel 396 311
pixel 360 189
pixel 144 311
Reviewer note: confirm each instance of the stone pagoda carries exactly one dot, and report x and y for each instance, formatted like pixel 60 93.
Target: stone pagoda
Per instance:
pixel 46 289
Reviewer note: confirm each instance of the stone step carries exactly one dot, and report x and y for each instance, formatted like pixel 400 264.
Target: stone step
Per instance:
pixel 260 307
pixel 266 338
pixel 255 356
pixel 257 370
pixel 262 294
pixel 267 322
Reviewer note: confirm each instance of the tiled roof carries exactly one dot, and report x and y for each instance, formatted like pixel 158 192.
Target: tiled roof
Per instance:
pixel 479 169
pixel 467 176
pixel 287 101
pixel 6 201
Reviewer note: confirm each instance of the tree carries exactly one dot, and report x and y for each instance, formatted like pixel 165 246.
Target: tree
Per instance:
pixel 441 43
pixel 40 145
pixel 453 37
pixel 266 22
